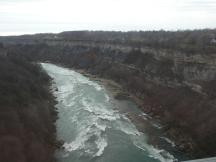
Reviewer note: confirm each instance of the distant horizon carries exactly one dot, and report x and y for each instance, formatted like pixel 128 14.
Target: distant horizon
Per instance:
pixel 42 16
pixel 57 32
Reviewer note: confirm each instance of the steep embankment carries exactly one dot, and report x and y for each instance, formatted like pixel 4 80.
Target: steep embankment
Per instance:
pixel 172 75
pixel 27 113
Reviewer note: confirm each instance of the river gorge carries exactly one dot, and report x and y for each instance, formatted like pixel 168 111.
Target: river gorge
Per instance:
pixel 162 109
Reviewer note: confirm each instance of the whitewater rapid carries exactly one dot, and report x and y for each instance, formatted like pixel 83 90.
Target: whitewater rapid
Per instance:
pixel 92 127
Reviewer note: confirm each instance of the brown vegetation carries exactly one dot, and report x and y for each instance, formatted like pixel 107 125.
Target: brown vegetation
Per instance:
pixel 27 113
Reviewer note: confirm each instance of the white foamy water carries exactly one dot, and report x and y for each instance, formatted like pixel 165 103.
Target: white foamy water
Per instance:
pixel 91 128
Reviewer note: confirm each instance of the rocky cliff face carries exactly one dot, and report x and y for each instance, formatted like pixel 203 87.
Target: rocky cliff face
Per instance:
pixel 189 67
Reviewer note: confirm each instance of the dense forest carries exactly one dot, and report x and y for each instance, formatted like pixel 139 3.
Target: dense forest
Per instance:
pixel 27 113
pixel 172 73
pixel 189 41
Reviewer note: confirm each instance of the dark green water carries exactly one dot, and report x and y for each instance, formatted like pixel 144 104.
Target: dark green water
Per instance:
pixel 91 125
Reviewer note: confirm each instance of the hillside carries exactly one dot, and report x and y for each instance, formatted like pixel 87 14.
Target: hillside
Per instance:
pixel 27 113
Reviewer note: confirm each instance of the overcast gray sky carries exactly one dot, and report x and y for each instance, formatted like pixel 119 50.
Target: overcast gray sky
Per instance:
pixel 33 16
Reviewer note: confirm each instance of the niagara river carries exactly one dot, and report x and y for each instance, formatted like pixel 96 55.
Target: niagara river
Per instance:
pixel 92 127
